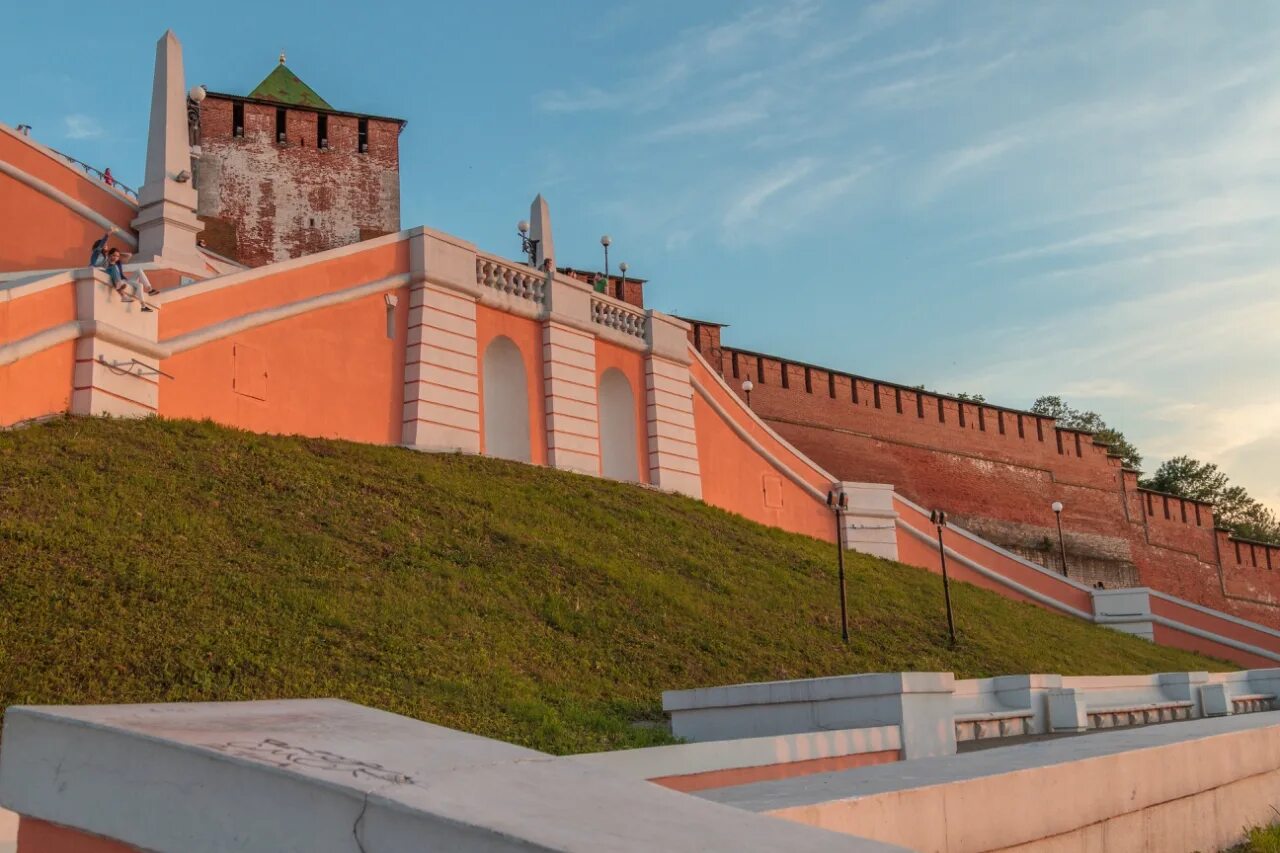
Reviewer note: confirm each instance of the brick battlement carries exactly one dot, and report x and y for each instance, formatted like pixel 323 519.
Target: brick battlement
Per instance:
pixel 997 470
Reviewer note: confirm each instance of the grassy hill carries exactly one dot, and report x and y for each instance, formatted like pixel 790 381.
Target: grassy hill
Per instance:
pixel 169 560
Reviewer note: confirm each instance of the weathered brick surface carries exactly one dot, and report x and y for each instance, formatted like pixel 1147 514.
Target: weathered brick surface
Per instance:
pixel 997 471
pixel 265 201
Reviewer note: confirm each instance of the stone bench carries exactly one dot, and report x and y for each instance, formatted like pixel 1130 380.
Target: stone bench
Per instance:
pixel 1139 714
pixel 1251 703
pixel 993 724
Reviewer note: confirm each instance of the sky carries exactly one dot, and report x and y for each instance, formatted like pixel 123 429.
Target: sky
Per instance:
pixel 1012 199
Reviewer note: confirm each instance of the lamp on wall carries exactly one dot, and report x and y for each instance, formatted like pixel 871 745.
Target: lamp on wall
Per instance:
pixel 622 268
pixel 606 241
pixel 838 503
pixel 527 246
pixel 1056 506
pixel 746 390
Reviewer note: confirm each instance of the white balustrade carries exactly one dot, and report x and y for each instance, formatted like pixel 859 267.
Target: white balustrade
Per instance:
pixel 520 282
pixel 618 316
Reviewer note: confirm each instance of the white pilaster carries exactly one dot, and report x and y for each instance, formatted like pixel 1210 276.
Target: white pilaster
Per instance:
pixel 115 370
pixel 441 370
pixel 569 386
pixel 673 441
pixel 166 221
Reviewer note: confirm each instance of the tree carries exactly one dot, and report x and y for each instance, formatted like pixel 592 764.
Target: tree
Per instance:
pixel 971 398
pixel 1072 418
pixel 1233 508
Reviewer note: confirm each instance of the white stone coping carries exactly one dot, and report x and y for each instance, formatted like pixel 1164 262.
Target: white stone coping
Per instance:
pixel 808 690
pixel 981 716
pixel 325 775
pixel 690 758
pixel 943 770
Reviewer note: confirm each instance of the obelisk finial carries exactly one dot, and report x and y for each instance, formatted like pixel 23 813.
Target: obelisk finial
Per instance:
pixel 282 56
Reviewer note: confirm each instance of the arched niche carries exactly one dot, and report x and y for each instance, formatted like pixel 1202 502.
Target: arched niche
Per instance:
pixel 617 406
pixel 506 402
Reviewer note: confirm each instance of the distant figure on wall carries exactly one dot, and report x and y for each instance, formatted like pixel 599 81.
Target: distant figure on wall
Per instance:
pixel 107 179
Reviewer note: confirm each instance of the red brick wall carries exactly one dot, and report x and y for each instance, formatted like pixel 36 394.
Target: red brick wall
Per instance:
pixel 268 202
pixel 997 471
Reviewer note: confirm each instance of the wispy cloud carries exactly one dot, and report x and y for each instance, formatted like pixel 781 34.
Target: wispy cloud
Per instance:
pixel 746 206
pixel 80 126
pixel 730 118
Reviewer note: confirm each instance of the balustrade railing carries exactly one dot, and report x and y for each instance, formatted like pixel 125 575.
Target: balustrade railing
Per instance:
pixel 615 315
pixel 520 282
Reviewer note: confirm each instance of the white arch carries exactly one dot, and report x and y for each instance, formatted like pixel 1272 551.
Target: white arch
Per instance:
pixel 506 402
pixel 618 458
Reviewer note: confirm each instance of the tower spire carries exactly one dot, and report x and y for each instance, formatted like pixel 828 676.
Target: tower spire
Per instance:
pixel 282 56
pixel 166 221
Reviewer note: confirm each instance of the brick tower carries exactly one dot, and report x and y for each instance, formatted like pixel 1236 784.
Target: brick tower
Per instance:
pixel 283 174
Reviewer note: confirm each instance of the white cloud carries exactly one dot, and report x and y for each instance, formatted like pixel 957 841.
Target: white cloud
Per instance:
pixel 731 118
pixel 746 206
pixel 81 126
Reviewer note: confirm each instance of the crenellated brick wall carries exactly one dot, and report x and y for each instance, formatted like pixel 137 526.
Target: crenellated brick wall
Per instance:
pixel 997 471
pixel 263 200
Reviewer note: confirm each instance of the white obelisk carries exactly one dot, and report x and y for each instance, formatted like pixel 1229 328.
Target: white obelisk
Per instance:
pixel 166 221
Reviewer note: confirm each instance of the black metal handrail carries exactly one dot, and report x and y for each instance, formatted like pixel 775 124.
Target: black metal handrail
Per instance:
pixel 124 188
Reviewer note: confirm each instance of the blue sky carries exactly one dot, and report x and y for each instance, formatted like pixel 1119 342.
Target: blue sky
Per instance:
pixel 1009 198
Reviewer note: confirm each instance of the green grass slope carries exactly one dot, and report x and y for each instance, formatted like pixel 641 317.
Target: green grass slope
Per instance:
pixel 164 561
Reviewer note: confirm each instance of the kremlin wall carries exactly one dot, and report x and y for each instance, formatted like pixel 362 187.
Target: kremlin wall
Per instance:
pixel 291 300
pixel 997 471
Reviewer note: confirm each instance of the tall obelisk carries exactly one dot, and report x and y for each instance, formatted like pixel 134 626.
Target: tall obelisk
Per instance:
pixel 166 221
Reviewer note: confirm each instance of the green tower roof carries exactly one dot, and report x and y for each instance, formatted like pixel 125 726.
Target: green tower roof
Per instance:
pixel 284 87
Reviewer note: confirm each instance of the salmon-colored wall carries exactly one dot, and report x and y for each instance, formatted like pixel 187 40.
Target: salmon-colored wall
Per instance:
pixel 38 836
pixel 631 365
pixel 41 233
pixel 215 304
pixel 330 373
pixel 526 334
pixel 39 385
pixel 915 552
pixel 734 474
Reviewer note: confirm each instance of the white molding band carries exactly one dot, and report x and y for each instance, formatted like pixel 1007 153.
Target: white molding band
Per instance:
pixel 79 208
pixel 1036 595
pixel 754 444
pixel 750 413
pixel 40 341
pixel 187 341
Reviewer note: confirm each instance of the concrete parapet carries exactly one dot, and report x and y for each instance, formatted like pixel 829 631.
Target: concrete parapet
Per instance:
pixel 327 775
pixel 919 703
pixel 1191 786
pixel 1127 610
pixel 869 525
pixel 1066 710
pixel 718 764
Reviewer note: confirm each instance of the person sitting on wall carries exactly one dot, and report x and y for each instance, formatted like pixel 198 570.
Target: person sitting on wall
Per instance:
pixel 112 262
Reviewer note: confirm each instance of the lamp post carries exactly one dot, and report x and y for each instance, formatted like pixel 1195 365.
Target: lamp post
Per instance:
pixel 746 390
pixel 939 519
pixel 606 241
pixel 1062 543
pixel 622 268
pixel 838 505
